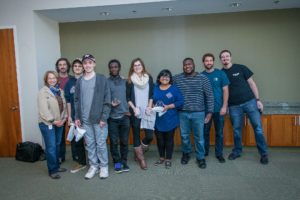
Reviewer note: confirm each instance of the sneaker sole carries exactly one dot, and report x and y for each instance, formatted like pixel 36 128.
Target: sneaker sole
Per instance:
pixel 77 170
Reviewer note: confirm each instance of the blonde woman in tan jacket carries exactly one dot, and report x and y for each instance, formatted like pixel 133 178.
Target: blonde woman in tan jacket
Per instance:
pixel 52 116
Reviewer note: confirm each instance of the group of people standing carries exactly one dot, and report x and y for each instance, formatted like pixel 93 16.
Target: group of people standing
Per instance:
pixel 110 106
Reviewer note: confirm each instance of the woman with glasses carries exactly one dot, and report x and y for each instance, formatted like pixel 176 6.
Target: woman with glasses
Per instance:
pixel 167 99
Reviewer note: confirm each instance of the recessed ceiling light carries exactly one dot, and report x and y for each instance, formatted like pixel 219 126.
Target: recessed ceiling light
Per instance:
pixel 167 9
pixel 235 4
pixel 104 13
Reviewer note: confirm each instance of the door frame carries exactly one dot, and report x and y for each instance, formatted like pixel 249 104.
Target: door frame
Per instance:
pixel 14 27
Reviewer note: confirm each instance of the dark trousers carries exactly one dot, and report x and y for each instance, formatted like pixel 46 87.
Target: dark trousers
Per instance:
pixel 219 125
pixel 136 124
pixel 165 143
pixel 62 152
pixel 118 130
pixel 73 150
pixel 80 151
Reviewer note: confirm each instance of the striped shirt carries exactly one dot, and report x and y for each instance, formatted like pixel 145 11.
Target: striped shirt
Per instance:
pixel 197 92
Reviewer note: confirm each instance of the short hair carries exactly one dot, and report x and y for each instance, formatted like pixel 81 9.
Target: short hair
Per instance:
pixel 77 60
pixel 208 55
pixel 223 51
pixel 46 77
pixel 114 61
pixel 186 59
pixel 63 59
pixel 164 72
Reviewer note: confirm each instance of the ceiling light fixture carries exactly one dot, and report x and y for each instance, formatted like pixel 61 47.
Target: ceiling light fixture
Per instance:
pixel 134 12
pixel 235 4
pixel 104 13
pixel 276 2
pixel 167 9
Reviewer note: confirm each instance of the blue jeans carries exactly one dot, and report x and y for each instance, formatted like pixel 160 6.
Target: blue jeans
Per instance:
pixel 192 121
pixel 95 139
pixel 52 138
pixel 219 125
pixel 237 118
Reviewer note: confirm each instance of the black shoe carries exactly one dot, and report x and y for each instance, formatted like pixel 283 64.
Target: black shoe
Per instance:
pixel 264 160
pixel 159 162
pixel 168 164
pixel 125 167
pixel 201 163
pixel 221 159
pixel 233 156
pixel 185 158
pixel 55 176
pixel 206 154
pixel 61 169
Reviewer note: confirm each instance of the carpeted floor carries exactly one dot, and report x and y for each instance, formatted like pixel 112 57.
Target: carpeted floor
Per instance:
pixel 244 178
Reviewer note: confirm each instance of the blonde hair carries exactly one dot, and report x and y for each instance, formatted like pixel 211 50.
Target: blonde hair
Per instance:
pixel 46 77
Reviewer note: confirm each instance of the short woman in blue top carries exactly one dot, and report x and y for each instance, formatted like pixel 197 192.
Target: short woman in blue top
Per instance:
pixel 171 98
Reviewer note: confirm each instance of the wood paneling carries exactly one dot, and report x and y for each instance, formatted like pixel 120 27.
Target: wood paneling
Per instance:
pixel 10 129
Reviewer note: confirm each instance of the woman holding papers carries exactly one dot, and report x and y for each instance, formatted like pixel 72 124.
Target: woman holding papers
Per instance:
pixel 167 99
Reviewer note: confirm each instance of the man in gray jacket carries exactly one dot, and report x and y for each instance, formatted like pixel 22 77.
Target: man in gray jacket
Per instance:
pixel 92 107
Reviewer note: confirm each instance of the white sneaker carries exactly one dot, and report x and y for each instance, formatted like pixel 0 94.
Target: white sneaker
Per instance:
pixel 91 173
pixel 103 172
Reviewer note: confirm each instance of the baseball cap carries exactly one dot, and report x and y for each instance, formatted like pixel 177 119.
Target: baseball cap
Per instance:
pixel 88 56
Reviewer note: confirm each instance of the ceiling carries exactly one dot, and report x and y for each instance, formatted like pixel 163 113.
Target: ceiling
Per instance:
pixel 164 8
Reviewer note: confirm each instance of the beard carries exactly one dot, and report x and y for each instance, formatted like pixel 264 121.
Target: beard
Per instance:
pixel 208 67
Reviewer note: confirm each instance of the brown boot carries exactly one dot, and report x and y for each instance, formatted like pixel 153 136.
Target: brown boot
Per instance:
pixel 139 154
pixel 145 148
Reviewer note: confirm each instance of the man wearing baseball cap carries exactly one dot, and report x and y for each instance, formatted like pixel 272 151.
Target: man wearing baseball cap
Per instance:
pixel 92 107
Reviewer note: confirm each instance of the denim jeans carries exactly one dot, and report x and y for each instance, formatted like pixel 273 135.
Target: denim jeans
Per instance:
pixel 165 143
pixel 95 139
pixel 192 121
pixel 118 130
pixel 237 118
pixel 219 125
pixel 136 131
pixel 52 138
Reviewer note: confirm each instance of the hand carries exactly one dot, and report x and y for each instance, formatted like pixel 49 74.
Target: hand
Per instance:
pixel 148 111
pixel 69 121
pixel 260 105
pixel 77 123
pixel 223 111
pixel 102 124
pixel 59 123
pixel 136 111
pixel 207 118
pixel 166 107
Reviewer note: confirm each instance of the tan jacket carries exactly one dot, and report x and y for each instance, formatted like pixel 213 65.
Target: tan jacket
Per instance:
pixel 48 106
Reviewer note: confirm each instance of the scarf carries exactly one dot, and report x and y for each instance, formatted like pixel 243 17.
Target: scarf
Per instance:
pixel 55 90
pixel 140 82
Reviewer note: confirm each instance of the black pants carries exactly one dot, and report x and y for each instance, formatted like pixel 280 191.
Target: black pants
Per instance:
pixel 136 124
pixel 62 152
pixel 165 143
pixel 80 151
pixel 118 130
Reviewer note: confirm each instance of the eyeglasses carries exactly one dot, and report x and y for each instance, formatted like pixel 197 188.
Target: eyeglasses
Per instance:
pixel 137 65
